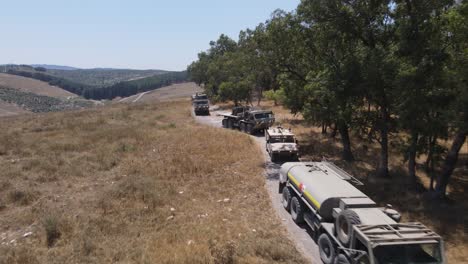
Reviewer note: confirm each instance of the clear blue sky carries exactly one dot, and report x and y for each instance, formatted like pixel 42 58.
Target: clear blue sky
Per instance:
pixel 140 34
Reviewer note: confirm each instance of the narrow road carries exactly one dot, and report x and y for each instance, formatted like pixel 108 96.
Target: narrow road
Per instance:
pixel 299 235
pixel 139 97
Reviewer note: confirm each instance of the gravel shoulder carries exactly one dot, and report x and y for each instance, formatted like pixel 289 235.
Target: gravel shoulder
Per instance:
pixel 299 235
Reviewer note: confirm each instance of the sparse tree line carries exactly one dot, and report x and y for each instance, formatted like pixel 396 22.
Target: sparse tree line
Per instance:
pixel 374 67
pixel 121 89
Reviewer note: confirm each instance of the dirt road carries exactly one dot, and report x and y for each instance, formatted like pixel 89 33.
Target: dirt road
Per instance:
pixel 300 235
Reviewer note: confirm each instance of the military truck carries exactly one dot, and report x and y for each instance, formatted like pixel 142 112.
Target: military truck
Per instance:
pixel 348 226
pixel 281 144
pixel 248 120
pixel 201 107
pixel 199 96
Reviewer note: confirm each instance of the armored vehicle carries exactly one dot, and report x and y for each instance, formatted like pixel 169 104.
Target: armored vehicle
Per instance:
pixel 281 144
pixel 248 120
pixel 347 224
pixel 201 107
pixel 199 96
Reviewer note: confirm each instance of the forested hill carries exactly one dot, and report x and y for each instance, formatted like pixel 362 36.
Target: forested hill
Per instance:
pixel 123 83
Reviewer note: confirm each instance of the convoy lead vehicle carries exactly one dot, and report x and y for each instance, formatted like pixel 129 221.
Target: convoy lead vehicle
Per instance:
pixel 347 224
pixel 248 120
pixel 281 144
pixel 201 106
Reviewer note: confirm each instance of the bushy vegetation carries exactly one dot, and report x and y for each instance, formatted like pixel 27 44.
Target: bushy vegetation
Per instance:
pixel 118 83
pixel 370 67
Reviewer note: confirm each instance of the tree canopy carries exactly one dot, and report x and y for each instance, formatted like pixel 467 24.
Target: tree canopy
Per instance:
pixel 374 67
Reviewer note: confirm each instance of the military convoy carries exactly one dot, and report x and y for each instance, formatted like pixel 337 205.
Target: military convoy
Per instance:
pixel 248 120
pixel 281 144
pixel 347 224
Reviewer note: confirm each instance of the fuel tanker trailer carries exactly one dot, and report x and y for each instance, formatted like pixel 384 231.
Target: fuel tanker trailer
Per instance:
pixel 347 225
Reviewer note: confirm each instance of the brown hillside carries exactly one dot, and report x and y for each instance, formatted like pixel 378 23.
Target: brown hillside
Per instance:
pixel 33 86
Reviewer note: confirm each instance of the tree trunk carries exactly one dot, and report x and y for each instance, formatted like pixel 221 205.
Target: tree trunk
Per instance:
pixel 347 153
pixel 432 173
pixel 324 127
pixel 382 170
pixel 334 131
pixel 412 157
pixel 430 154
pixel 450 163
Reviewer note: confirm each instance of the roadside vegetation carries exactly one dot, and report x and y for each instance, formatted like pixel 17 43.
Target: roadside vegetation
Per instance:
pixel 133 183
pixel 369 68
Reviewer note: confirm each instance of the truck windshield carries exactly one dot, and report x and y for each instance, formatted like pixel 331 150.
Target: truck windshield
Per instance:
pixel 201 102
pixel 411 254
pixel 263 115
pixel 201 97
pixel 283 139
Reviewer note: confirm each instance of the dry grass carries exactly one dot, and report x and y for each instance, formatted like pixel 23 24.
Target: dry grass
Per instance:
pixel 448 219
pixel 133 184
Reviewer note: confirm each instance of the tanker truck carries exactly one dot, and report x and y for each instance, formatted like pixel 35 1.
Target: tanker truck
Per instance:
pixel 347 225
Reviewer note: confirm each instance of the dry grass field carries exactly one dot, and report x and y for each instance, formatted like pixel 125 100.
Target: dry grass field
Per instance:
pixel 7 109
pixel 33 86
pixel 449 219
pixel 139 183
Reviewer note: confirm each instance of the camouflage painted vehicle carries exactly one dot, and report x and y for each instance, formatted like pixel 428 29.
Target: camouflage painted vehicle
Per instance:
pixel 248 120
pixel 201 107
pixel 281 144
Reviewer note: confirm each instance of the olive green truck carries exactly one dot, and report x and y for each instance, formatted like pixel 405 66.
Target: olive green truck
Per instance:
pixel 348 226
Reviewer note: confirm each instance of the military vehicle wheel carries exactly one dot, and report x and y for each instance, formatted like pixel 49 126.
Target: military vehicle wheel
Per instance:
pixel 326 249
pixel 249 129
pixel 344 224
pixel 230 124
pixel 242 127
pixel 272 157
pixel 342 259
pixel 297 210
pixel 224 123
pixel 286 198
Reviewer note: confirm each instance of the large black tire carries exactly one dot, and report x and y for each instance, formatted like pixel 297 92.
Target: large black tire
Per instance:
pixel 342 259
pixel 273 157
pixel 230 124
pixel 327 249
pixel 242 127
pixel 286 198
pixel 249 129
pixel 344 225
pixel 224 122
pixel 297 210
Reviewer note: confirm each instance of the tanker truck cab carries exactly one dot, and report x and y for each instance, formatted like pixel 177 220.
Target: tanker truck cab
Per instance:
pixel 347 225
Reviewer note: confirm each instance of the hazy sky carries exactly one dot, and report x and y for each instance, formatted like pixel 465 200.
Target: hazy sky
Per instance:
pixel 139 34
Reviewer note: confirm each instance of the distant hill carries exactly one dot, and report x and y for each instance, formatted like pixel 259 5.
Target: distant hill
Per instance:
pixel 103 77
pixel 54 67
pixel 99 83
pixel 33 86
